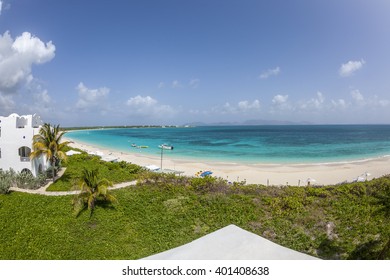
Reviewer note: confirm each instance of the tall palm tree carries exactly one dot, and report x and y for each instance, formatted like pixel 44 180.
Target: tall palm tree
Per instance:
pixel 92 188
pixel 48 143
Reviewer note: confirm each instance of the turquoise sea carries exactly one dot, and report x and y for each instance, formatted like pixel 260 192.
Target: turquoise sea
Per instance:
pixel 249 144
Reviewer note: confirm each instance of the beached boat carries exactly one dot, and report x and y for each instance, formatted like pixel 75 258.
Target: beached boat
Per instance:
pixel 165 147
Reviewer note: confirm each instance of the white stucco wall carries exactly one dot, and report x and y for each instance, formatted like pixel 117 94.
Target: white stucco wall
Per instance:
pixel 17 132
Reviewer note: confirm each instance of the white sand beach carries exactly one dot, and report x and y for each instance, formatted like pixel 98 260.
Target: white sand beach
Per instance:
pixel 267 174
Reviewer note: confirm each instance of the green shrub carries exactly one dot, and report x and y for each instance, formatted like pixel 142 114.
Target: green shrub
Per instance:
pixel 7 179
pixel 209 184
pixel 23 180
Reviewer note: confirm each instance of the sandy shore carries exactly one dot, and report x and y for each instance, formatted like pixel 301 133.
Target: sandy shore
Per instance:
pixel 267 174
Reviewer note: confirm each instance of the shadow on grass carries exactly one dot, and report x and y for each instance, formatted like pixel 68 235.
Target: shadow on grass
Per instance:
pixel 105 204
pixel 329 250
pixel 371 250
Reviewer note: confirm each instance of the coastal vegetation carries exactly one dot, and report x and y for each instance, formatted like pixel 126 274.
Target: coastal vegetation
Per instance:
pixel 22 180
pixel 48 143
pixel 93 189
pixel 116 172
pixel 346 221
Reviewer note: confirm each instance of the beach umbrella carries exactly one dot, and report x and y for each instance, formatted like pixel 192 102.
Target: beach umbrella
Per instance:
pixel 206 173
pixel 71 153
pixel 310 181
pixel 360 179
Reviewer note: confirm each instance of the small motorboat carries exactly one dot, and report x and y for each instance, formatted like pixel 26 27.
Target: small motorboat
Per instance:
pixel 134 145
pixel 165 147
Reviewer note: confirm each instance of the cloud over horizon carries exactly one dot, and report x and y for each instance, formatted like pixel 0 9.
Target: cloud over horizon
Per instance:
pixel 91 98
pixel 148 107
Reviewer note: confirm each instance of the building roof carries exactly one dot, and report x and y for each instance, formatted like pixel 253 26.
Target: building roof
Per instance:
pixel 231 243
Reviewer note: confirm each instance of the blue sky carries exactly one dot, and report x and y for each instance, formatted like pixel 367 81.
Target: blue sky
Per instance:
pixel 172 62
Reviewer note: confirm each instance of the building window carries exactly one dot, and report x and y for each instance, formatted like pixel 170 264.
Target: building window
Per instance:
pixel 26 171
pixel 24 153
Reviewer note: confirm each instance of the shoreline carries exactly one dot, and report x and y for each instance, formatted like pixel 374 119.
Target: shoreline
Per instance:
pixel 260 173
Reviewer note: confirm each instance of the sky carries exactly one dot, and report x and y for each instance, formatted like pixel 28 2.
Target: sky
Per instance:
pixel 172 62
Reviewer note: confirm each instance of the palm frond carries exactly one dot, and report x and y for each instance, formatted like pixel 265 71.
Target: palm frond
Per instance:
pixel 92 188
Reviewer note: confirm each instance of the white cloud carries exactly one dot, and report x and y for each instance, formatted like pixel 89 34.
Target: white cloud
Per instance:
pixel 279 99
pixel 149 107
pixel 270 72
pixel 140 101
pixel 339 104
pixel 280 104
pixel 241 107
pixel 384 103
pixel 6 104
pixel 91 98
pixel 194 83
pixel 176 84
pixel 314 103
pixel 347 69
pixel 245 106
pixel 42 97
pixel 17 57
pixel 357 96
pixel 4 6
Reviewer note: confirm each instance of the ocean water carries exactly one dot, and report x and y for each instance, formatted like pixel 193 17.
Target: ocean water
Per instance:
pixel 249 144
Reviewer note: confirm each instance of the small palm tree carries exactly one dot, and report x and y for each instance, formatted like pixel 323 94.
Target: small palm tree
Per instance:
pixel 92 188
pixel 48 143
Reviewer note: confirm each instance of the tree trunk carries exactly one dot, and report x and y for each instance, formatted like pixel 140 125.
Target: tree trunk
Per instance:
pixel 53 170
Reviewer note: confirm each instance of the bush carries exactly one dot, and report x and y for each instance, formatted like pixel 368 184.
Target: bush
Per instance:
pixel 7 179
pixel 209 184
pixel 26 180
pixel 23 180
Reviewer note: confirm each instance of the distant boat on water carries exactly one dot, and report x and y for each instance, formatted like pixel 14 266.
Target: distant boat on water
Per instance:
pixel 165 147
pixel 139 147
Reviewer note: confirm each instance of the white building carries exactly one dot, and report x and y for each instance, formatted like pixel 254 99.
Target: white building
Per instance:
pixel 16 137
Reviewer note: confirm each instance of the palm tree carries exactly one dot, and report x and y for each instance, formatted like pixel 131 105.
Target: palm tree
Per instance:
pixel 48 143
pixel 92 188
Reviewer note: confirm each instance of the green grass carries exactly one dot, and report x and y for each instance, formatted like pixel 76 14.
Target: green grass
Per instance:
pixel 166 212
pixel 115 172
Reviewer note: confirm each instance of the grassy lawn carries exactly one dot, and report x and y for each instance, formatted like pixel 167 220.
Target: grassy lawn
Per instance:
pixel 335 222
pixel 116 172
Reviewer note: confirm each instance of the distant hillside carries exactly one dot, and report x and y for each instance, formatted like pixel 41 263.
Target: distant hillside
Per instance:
pixel 248 122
